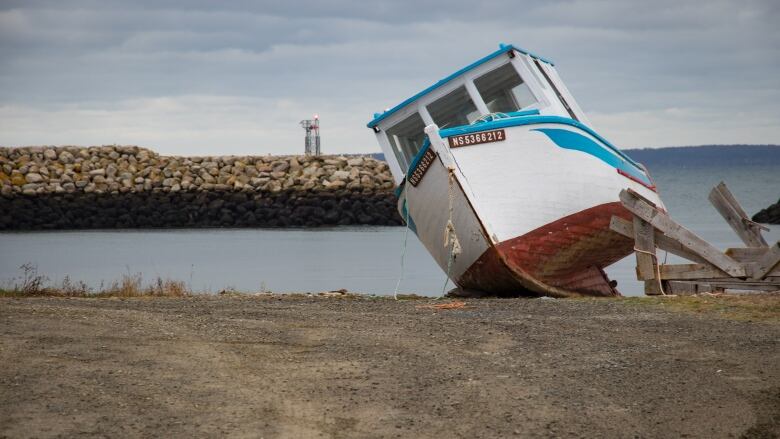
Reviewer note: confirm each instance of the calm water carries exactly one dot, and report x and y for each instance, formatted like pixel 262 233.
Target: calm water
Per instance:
pixel 361 259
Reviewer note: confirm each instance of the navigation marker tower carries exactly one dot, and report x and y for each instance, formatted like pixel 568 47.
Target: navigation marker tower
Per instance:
pixel 312 143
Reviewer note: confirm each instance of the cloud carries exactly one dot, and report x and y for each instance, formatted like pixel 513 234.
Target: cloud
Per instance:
pixel 196 125
pixel 237 76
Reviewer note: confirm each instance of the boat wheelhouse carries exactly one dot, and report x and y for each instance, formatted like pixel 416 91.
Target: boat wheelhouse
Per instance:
pixel 505 182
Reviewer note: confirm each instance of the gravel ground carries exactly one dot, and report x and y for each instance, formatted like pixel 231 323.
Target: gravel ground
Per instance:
pixel 310 366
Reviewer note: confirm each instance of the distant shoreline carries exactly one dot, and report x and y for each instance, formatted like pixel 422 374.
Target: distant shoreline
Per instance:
pixel 702 155
pixel 707 155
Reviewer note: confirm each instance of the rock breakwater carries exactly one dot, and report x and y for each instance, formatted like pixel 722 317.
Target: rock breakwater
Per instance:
pixel 770 215
pixel 129 186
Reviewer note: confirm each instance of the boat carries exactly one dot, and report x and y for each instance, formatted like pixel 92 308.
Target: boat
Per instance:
pixel 503 179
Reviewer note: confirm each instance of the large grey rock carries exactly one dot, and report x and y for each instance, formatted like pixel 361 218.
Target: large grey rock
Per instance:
pixel 33 177
pixel 339 176
pixel 281 167
pixel 66 157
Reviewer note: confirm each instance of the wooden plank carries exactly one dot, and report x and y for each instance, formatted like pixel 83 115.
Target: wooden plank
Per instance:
pixel 653 288
pixel 733 200
pixel 757 286
pixel 726 193
pixel 767 262
pixel 688 239
pixel 623 227
pixel 690 271
pixel 681 288
pixel 728 207
pixel 626 228
pixel 746 254
pixel 695 287
pixel 644 246
pixel 687 288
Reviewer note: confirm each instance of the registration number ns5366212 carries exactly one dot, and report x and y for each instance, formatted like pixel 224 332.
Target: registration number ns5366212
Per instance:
pixel 477 138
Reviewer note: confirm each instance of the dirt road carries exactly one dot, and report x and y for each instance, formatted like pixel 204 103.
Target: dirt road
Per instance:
pixel 298 366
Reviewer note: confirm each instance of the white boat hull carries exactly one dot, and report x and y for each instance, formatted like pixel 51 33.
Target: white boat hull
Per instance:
pixel 531 216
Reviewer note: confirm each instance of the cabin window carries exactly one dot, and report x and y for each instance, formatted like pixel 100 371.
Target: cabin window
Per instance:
pixel 406 138
pixel 503 90
pixel 557 92
pixel 454 109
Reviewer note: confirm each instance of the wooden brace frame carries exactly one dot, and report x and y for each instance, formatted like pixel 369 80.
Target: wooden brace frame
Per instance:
pixel 754 267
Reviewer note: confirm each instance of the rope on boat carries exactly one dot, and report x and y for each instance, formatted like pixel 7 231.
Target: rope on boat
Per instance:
pixel 450 237
pixel 405 195
pixel 657 268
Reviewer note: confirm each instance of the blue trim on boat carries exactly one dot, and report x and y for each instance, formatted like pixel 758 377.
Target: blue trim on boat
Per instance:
pixel 400 188
pixel 503 48
pixel 571 140
pixel 496 116
pixel 521 113
pixel 533 120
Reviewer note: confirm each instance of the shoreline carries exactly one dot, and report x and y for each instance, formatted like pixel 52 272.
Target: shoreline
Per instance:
pixel 762 306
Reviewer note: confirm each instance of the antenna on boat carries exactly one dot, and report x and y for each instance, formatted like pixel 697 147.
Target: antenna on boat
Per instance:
pixel 312 141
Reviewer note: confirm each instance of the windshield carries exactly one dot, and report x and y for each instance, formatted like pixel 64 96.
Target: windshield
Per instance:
pixel 503 90
pixel 406 139
pixel 454 109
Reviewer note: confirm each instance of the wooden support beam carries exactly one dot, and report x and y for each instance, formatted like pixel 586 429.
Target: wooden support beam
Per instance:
pixel 766 263
pixel 680 288
pixel 626 228
pixel 726 204
pixel 689 287
pixel 644 246
pixel 746 254
pixel 646 259
pixel 746 286
pixel 685 237
pixel 690 271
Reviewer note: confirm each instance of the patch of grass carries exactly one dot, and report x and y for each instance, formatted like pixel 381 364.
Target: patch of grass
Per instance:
pixel 29 283
pixel 745 307
pixel 132 286
pixel 32 284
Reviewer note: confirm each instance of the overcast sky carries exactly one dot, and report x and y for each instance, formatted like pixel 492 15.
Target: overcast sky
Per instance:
pixel 236 77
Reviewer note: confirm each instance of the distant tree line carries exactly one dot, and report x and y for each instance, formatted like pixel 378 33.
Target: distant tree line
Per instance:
pixel 707 155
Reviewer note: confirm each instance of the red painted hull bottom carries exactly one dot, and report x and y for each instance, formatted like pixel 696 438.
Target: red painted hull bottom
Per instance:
pixel 561 259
